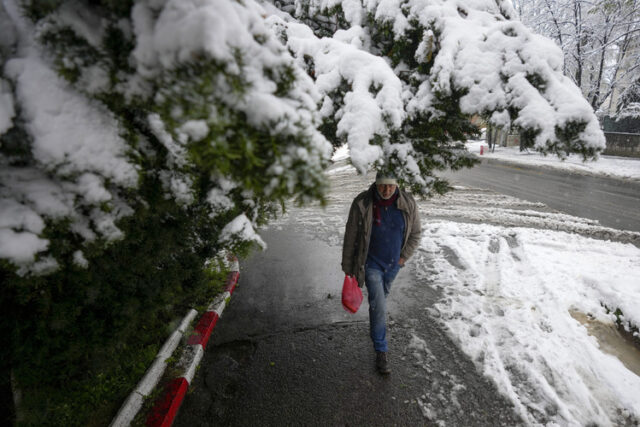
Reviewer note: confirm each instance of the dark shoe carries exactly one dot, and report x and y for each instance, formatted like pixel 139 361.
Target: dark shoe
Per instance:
pixel 381 363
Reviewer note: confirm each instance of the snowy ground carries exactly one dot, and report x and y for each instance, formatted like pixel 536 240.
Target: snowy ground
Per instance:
pixel 519 283
pixel 618 167
pixel 509 295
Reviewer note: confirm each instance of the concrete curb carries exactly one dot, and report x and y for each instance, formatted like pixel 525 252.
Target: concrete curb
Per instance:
pixel 166 407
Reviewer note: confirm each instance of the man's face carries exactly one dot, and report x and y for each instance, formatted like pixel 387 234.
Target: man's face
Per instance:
pixel 386 190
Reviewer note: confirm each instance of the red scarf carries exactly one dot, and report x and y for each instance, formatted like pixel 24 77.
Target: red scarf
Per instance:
pixel 378 202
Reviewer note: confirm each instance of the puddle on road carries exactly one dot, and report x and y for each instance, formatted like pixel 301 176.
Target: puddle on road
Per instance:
pixel 611 341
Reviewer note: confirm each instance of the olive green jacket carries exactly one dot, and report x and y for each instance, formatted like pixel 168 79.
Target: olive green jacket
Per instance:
pixel 358 231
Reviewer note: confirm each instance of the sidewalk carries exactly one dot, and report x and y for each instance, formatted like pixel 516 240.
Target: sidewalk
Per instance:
pixel 612 166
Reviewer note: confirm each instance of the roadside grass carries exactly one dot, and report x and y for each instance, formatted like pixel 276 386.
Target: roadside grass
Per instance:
pixel 625 327
pixel 95 398
pixel 172 371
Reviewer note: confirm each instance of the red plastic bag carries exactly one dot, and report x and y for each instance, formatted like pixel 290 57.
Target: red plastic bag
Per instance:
pixel 351 294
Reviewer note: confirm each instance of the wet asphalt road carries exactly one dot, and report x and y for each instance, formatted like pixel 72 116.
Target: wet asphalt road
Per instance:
pixel 286 353
pixel 614 203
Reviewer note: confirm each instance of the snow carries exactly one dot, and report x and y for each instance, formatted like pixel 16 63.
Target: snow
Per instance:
pixel 80 260
pixel 510 282
pixel 218 200
pixel 477 45
pixel 241 229
pixel 70 133
pixel 185 30
pixel 595 42
pixel 508 297
pixel 79 159
pixel 178 185
pixel 20 246
pixel 177 153
pixel 341 153
pixel 81 154
pixel 612 166
pixel 195 129
pixel 508 286
pixel 631 110
pixel 340 61
pixel 82 21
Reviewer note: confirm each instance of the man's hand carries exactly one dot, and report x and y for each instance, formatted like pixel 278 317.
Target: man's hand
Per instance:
pixel 401 262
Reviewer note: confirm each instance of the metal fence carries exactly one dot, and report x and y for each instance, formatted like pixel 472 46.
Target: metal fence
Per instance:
pixel 622 144
pixel 618 143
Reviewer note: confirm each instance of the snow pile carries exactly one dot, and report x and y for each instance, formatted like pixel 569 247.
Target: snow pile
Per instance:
pixel 508 298
pixel 618 167
pixel 241 229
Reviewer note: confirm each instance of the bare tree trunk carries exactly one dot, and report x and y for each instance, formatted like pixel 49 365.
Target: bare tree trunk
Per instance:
pixel 595 99
pixel 622 53
pixel 599 40
pixel 622 56
pixel 558 33
pixel 577 13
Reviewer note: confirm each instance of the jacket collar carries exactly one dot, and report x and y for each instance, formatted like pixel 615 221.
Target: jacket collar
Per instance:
pixel 402 202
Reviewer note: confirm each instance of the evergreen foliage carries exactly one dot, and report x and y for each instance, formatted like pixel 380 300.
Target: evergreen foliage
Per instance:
pixel 140 139
pixel 86 313
pixel 508 76
pixel 629 103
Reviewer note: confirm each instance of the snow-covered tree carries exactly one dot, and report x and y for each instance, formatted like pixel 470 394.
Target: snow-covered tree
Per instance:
pixel 599 40
pixel 629 103
pixel 101 98
pixel 100 101
pixel 145 136
pixel 400 80
pixel 137 140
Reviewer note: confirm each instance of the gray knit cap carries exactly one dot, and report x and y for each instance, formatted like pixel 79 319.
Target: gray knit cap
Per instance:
pixel 386 178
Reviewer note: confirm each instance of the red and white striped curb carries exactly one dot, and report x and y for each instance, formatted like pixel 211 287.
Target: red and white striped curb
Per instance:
pixel 166 407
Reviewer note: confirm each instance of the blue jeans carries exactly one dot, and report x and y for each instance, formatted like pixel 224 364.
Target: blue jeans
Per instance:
pixel 378 286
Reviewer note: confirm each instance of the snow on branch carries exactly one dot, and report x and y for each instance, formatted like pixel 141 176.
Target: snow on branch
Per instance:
pixel 234 36
pixel 360 91
pixel 196 97
pixel 229 105
pixel 77 159
pixel 503 66
pixel 476 54
pixel 631 110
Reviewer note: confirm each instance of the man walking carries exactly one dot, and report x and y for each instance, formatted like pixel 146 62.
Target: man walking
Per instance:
pixel 382 232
